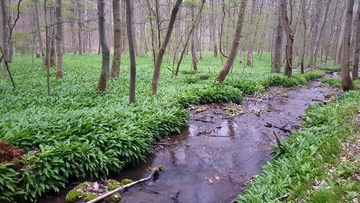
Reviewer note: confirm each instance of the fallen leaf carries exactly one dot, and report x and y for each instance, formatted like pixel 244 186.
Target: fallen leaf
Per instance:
pixel 217 177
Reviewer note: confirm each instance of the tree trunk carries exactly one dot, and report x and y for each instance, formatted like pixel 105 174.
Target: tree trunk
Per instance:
pixel 104 77
pixel 213 31
pixel 193 51
pixel 313 57
pixel 6 32
pixel 355 71
pixel 115 68
pixel 162 49
pixel 80 23
pixel 39 31
pixel 129 24
pixel 346 81
pixel 303 11
pixel 59 40
pixel 289 37
pixel 276 59
pixel 235 45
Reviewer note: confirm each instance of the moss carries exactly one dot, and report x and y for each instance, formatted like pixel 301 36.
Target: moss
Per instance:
pixel 73 195
pixel 113 185
pixel 81 186
pixel 90 196
pixel 126 181
pixel 113 198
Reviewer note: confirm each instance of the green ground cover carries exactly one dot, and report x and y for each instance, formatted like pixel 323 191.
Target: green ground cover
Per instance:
pixel 78 132
pixel 311 166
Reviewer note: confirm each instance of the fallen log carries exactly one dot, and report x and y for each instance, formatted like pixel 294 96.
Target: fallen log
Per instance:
pixel 154 172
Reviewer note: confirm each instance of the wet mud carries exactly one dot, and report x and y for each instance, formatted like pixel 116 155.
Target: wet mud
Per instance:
pixel 222 148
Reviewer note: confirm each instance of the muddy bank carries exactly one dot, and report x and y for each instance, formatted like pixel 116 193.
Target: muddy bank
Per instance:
pixel 222 148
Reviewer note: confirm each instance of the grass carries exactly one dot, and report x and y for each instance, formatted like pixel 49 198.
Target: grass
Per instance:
pixel 79 132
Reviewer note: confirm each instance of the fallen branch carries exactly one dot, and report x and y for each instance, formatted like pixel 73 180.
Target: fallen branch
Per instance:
pixel 161 144
pixel 269 125
pixel 154 172
pixel 282 198
pixel 278 142
pixel 321 101
pixel 175 198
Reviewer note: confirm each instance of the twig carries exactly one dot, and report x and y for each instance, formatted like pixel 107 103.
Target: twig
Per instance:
pixel 269 125
pixel 7 67
pixel 278 142
pixel 154 172
pixel 161 144
pixel 282 198
pixel 175 198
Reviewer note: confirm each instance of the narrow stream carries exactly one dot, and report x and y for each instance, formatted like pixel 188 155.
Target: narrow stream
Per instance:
pixel 222 148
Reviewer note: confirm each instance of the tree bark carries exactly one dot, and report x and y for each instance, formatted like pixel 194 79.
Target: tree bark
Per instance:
pixel 6 32
pixel 303 6
pixel 115 68
pixel 59 41
pixel 193 51
pixel 104 77
pixel 289 37
pixel 346 81
pixel 276 59
pixel 235 44
pixel 355 70
pixel 39 31
pixel 162 49
pixel 129 24
pixel 313 57
pixel 80 24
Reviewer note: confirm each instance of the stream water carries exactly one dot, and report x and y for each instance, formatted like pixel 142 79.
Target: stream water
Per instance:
pixel 222 148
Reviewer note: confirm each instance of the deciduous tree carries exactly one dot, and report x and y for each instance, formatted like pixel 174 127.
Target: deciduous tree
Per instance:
pixel 235 44
pixel 346 81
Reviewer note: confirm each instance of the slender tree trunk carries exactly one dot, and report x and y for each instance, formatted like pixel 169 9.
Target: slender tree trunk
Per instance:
pixel 80 27
pixel 303 11
pixel 346 81
pixel 162 49
pixel 104 77
pixel 355 70
pixel 313 57
pixel 289 37
pixel 129 23
pixel 193 51
pixel 235 45
pixel 6 32
pixel 276 59
pixel 39 31
pixel 213 27
pixel 59 40
pixel 115 69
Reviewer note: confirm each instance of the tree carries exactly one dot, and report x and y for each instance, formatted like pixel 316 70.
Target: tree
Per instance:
pixel 235 45
pixel 59 40
pixel 346 81
pixel 276 59
pixel 160 55
pixel 104 76
pixel 355 70
pixel 6 30
pixel 289 37
pixel 129 26
pixel 115 68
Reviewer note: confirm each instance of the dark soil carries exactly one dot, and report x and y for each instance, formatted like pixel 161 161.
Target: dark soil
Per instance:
pixel 8 152
pixel 222 148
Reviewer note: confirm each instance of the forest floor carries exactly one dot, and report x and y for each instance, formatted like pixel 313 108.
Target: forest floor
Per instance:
pixel 223 147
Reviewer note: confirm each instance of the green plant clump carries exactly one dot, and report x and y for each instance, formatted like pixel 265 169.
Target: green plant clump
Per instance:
pixel 126 181
pixel 90 196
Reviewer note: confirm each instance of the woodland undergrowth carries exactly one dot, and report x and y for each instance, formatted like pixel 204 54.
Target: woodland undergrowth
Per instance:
pixel 78 132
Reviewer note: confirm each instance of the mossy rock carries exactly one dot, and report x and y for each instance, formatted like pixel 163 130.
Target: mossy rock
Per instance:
pixel 113 198
pixel 73 195
pixel 113 185
pixel 126 181
pixel 90 196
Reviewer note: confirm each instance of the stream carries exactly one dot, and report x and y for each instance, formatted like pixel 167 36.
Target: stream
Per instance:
pixel 222 148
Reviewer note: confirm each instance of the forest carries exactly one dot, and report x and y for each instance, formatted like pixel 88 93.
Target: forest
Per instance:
pixel 223 101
